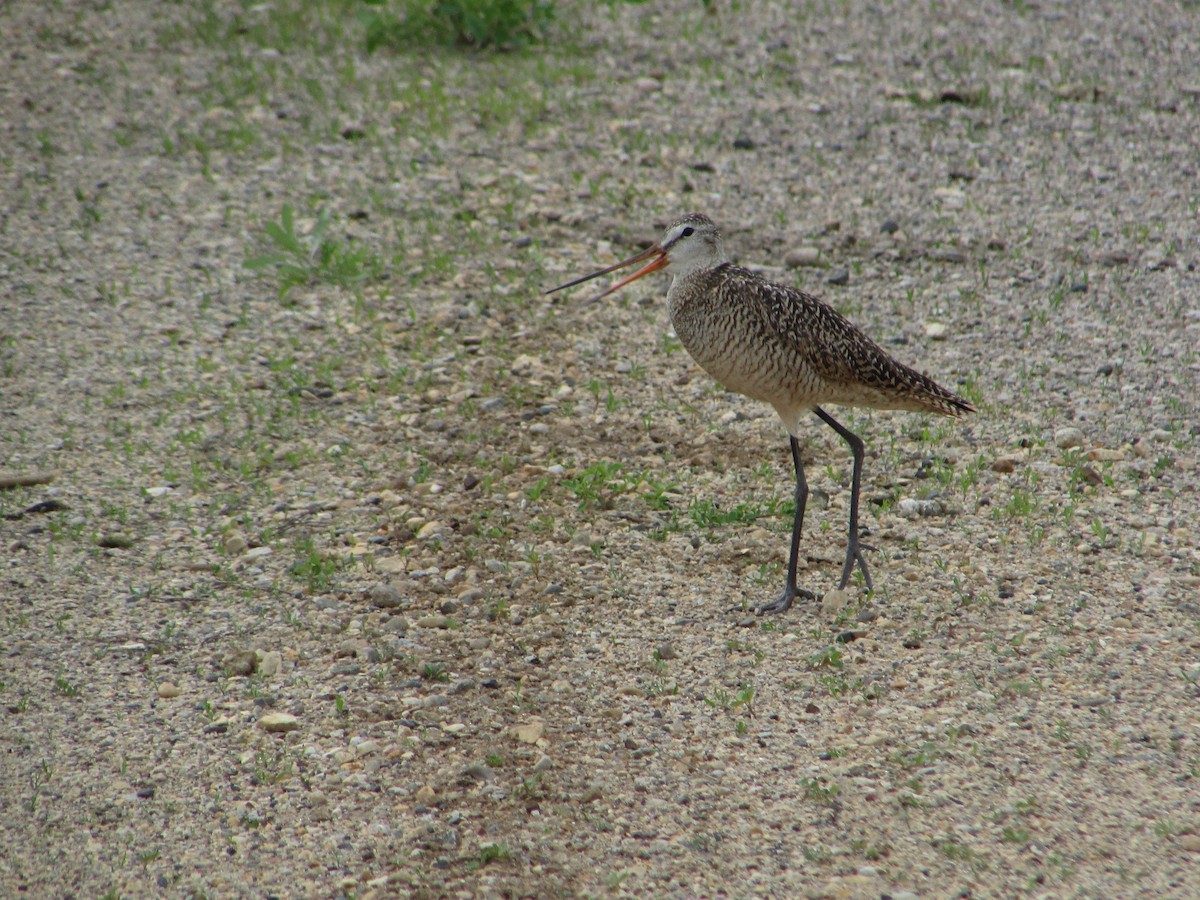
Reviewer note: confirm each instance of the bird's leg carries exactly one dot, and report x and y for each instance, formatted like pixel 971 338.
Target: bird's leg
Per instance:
pixel 790 590
pixel 853 547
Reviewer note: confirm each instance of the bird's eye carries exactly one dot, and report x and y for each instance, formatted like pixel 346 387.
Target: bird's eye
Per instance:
pixel 687 232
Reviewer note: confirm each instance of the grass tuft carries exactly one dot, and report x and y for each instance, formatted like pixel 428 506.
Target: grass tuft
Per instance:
pixel 477 24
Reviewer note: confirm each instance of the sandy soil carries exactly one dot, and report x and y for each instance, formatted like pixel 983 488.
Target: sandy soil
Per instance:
pixel 370 571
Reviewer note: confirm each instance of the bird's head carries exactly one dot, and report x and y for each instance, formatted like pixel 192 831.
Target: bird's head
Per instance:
pixel 690 244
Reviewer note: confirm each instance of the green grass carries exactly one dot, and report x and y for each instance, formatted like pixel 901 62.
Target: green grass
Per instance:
pixel 478 24
pixel 298 260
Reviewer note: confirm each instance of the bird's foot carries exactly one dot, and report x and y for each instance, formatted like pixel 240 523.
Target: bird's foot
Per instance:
pixel 783 602
pixel 854 557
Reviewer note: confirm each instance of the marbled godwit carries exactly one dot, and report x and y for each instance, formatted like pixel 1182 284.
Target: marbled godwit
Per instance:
pixel 783 346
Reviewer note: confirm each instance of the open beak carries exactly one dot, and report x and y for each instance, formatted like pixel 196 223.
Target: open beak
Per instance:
pixel 656 255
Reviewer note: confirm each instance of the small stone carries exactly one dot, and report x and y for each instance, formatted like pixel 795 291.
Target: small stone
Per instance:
pixel 1003 465
pixel 385 596
pixel 319 805
pixel 665 650
pixel 743 143
pixel 169 691
pixel 258 553
pixel 433 622
pixel 838 277
pixel 158 490
pixel 424 795
pixel 529 733
pixel 912 508
pixel 1190 842
pixel 950 198
pixel 241 663
pixel 948 255
pixel 431 530
pixel 935 331
pixel 648 85
pixel 1068 437
pixel 544 764
pixel 279 722
pixel 270 662
pixel 890 226
pixel 234 543
pixel 114 541
pixel 524 365
pixel 834 602
pixel 480 772
pixel 802 256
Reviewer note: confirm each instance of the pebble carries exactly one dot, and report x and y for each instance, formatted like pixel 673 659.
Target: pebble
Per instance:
pixel 838 277
pixel 241 662
pixel 1190 842
pixel 234 543
pixel 270 662
pixel 950 198
pixel 257 553
pixel 935 330
pixel 802 256
pixel 431 530
pixel 396 625
pixel 525 365
pixel 167 690
pixel 912 508
pixel 385 596
pixel 433 622
pixel 279 722
pixel 1068 437
pixel 665 650
pixel 1004 465
pixel 115 541
pixel 529 733
pixel 948 255
pixel 834 602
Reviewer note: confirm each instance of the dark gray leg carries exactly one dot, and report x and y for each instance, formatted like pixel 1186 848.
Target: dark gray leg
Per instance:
pixel 791 591
pixel 853 548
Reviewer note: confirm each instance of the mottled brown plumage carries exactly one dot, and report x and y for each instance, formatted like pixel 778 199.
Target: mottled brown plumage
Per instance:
pixel 785 347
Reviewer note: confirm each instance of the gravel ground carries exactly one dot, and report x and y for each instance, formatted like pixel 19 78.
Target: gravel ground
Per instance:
pixel 373 572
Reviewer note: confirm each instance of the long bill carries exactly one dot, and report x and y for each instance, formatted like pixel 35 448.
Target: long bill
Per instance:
pixel 656 255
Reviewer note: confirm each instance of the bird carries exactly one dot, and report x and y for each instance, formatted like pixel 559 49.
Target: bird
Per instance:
pixel 781 345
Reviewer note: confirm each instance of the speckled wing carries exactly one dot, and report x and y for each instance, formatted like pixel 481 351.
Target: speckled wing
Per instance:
pixel 854 369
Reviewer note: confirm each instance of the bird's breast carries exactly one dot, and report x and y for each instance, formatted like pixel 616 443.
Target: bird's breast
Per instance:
pixel 733 343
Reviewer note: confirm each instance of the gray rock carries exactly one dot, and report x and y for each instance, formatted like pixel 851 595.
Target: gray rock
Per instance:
pixel 802 256
pixel 1068 437
pixel 385 596
pixel 241 663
